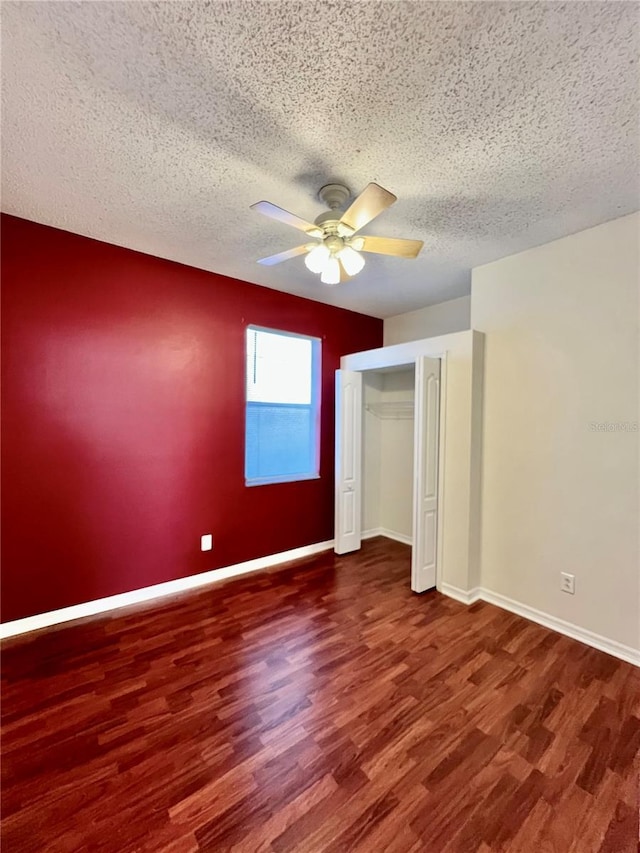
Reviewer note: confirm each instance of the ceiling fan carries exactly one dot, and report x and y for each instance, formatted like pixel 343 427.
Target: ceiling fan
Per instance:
pixel 335 254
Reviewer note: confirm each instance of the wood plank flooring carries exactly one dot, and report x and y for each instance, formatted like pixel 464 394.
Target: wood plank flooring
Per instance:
pixel 319 707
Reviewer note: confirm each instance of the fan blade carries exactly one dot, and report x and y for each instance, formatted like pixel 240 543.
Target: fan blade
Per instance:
pixel 283 256
pixel 372 200
pixel 275 212
pixel 391 246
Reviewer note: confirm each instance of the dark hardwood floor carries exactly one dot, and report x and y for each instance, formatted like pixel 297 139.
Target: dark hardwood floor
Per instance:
pixel 322 706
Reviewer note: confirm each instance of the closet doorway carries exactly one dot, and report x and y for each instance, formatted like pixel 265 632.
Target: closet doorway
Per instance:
pixel 387 459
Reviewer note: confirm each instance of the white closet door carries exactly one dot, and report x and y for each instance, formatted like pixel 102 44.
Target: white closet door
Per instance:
pixel 348 500
pixel 425 494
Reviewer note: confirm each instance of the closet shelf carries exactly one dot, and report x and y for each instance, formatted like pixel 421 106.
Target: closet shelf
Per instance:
pixel 397 409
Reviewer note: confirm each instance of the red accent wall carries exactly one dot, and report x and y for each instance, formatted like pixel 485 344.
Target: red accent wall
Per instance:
pixel 123 419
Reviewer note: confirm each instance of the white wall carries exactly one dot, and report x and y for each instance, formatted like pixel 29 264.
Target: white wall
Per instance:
pixel 396 447
pixel 387 455
pixel 440 319
pixel 371 452
pixel 561 354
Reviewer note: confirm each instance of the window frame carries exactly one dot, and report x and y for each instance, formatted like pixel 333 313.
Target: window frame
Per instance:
pixel 315 406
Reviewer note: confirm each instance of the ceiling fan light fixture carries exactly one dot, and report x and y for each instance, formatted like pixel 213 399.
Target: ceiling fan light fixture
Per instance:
pixel 352 261
pixel 331 272
pixel 336 256
pixel 317 258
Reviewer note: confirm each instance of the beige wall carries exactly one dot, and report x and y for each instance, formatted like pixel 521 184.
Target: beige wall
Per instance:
pixel 440 319
pixel 561 354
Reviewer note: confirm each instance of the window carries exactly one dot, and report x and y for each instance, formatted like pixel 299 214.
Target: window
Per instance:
pixel 282 407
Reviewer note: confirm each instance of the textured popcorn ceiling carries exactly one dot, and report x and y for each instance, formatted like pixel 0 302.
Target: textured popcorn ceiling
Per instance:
pixel 499 126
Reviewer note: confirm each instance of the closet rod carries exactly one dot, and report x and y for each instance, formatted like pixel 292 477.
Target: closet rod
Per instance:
pixel 396 409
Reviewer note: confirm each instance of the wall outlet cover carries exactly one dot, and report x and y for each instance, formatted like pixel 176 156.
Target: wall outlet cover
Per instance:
pixel 567 582
pixel 206 542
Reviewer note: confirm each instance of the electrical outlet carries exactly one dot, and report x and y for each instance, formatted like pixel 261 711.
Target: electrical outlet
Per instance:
pixel 567 583
pixel 206 542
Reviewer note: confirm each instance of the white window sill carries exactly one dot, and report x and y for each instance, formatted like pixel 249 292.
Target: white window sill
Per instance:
pixel 287 478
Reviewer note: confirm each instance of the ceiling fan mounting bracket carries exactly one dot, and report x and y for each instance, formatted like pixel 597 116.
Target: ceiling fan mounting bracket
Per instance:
pixel 335 196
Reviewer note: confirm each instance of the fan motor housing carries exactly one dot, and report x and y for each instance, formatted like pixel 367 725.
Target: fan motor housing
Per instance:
pixel 328 221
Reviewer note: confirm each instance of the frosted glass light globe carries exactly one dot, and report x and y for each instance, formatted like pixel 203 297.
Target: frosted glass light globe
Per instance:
pixel 351 260
pixel 331 272
pixel 317 258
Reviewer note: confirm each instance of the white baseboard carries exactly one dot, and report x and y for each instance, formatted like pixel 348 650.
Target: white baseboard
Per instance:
pixel 461 595
pixel 371 533
pixel 389 534
pixel 582 635
pixel 149 593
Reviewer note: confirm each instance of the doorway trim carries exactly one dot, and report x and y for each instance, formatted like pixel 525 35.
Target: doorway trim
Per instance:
pixel 460 453
pixel 372 360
